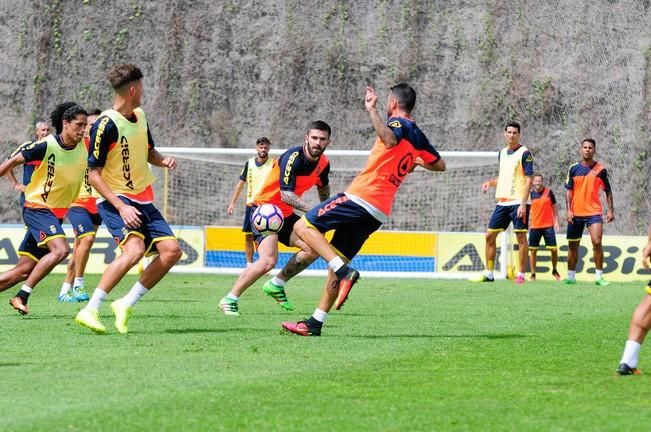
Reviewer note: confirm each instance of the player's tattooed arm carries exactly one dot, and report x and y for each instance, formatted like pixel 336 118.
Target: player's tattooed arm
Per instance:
pixel 289 197
pixel 324 192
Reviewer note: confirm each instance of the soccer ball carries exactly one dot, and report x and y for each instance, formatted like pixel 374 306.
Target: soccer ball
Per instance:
pixel 267 219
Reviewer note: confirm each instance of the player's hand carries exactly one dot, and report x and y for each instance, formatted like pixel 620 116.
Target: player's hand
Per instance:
pixel 19 187
pixel 522 212
pixel 646 255
pixel 169 163
pixel 129 215
pixel 417 162
pixel 370 99
pixel 570 216
pixel 557 227
pixel 485 186
pixel 230 209
pixel 610 216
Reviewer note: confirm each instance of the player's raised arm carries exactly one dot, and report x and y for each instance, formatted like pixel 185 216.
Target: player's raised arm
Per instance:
pixel 381 129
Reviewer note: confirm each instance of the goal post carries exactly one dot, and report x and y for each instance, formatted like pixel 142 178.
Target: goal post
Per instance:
pixel 436 229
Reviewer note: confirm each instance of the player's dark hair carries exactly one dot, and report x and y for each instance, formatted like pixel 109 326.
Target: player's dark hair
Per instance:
pixel 263 140
pixel 124 74
pixel 512 124
pixel 94 111
pixel 537 175
pixel 591 141
pixel 405 96
pixel 66 111
pixel 320 125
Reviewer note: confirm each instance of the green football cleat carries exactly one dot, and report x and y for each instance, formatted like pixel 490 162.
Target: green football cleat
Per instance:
pixel 569 282
pixel 601 282
pixel 482 278
pixel 90 318
pixel 277 293
pixel 229 307
pixel 122 313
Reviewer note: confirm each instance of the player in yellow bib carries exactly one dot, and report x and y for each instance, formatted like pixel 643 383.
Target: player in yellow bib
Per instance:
pixel 53 186
pixel 121 150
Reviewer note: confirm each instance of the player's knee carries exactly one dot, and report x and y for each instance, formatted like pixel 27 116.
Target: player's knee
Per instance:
pixel 133 254
pixel 87 241
pixel 596 245
pixel 172 255
pixel 267 264
pixel 60 251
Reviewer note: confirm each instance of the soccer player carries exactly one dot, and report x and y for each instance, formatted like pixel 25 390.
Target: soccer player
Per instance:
pixel 121 149
pixel 585 180
pixel 640 323
pixel 51 189
pixel 543 222
pixel 253 175
pixel 361 210
pixel 41 130
pixel 85 220
pixel 512 194
pixel 295 172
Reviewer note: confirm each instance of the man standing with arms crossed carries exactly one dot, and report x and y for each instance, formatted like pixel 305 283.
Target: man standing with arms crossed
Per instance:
pixel 584 181
pixel 512 193
pixel 253 175
pixel 121 148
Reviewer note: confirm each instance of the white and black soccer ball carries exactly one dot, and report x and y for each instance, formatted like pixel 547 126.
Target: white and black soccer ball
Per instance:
pixel 267 219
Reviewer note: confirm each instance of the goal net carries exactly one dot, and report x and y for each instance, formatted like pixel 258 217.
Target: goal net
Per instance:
pixel 432 210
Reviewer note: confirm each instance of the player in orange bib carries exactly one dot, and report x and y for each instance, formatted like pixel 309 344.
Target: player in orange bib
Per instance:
pixel 361 210
pixel 585 180
pixel 543 223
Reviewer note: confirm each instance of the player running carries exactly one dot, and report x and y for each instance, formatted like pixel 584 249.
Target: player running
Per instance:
pixel 253 175
pixel 512 193
pixel 85 221
pixel 543 223
pixel 585 180
pixel 361 210
pixel 295 172
pixel 53 185
pixel 640 323
pixel 121 150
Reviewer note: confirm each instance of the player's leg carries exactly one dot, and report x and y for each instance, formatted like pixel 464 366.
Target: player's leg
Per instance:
pixel 638 329
pixel 29 255
pixel 267 258
pixel 574 233
pixel 248 235
pixel 498 222
pixel 552 246
pixel 596 234
pixel 520 228
pixel 65 294
pixel 80 255
pixel 534 243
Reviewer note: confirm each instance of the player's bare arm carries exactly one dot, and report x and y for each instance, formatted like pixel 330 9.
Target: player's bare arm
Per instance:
pixel 568 206
pixel 8 164
pixel 439 165
pixel 324 192
pixel 488 184
pixel 522 208
pixel 610 213
pixel 289 197
pixel 157 159
pixel 646 252
pixel 381 129
pixel 128 213
pixel 14 181
pixel 236 194
pixel 557 227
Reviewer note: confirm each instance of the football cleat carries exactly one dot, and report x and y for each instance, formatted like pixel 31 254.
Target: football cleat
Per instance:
pixel 122 313
pixel 625 369
pixel 79 294
pixel 601 282
pixel 66 298
pixel 556 275
pixel 532 278
pixel 345 285
pixel 302 328
pixel 90 318
pixel 277 293
pixel 482 278
pixel 17 304
pixel 520 279
pixel 229 307
pixel 569 282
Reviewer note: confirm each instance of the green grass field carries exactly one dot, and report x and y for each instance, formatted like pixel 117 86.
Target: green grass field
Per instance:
pixel 402 355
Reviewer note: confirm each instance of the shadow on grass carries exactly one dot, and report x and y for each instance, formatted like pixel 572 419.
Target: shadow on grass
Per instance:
pixel 11 364
pixel 207 330
pixel 425 336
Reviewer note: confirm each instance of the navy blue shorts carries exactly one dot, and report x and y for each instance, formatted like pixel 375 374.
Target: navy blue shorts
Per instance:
pixel 547 233
pixel 153 227
pixel 246 225
pixel 351 222
pixel 504 215
pixel 575 229
pixel 84 223
pixel 42 226
pixel 284 233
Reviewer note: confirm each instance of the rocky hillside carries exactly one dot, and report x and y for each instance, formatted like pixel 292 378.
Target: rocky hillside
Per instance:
pixel 221 73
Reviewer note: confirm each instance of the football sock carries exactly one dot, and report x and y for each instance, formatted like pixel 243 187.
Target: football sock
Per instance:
pixel 491 266
pixel 233 297
pixel 598 273
pixel 631 353
pixel 571 274
pixel 336 264
pixel 489 274
pixel 65 288
pixel 277 281
pixel 320 315
pixel 134 294
pixel 24 293
pixel 96 299
pixel 79 282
